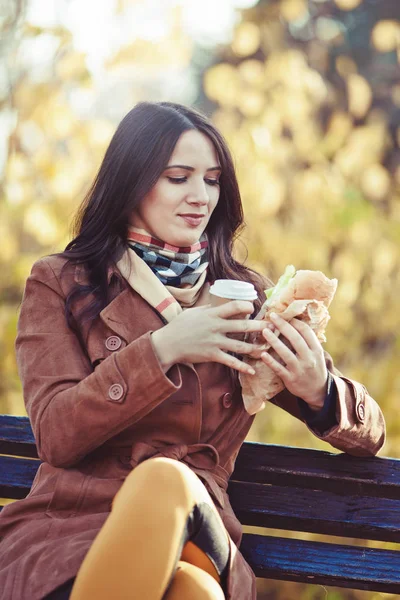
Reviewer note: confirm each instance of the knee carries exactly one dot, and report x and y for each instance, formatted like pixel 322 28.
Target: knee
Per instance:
pixel 164 473
pixel 161 479
pixel 162 467
pixel 193 583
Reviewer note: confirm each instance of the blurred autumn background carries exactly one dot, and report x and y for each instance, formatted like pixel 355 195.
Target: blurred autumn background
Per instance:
pixel 307 94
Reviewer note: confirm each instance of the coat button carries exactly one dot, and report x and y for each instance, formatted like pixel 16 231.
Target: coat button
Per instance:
pixel 361 411
pixel 116 391
pixel 227 400
pixel 113 342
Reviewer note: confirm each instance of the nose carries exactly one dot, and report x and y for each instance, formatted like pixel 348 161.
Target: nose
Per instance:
pixel 199 194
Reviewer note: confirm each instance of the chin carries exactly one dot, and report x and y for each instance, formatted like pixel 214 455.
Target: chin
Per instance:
pixel 185 240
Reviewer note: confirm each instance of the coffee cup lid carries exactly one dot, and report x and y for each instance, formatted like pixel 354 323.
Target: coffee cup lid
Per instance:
pixel 233 289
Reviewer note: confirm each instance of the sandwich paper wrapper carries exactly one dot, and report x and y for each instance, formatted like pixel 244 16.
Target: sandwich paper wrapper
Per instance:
pixel 265 384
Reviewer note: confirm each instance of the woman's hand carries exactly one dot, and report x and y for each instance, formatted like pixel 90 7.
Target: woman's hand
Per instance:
pixel 304 371
pixel 200 335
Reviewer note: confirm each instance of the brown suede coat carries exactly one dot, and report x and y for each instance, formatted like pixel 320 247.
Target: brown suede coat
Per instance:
pixel 101 404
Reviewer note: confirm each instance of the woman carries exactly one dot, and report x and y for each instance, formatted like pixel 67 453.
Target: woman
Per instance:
pixel 130 381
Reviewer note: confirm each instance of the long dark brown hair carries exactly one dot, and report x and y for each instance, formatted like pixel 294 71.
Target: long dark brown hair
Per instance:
pixel 134 160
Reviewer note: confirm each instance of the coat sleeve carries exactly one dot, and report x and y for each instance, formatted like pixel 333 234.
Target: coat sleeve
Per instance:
pixel 360 428
pixel 72 408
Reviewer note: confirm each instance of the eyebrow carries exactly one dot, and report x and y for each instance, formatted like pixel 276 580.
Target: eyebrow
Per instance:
pixel 191 168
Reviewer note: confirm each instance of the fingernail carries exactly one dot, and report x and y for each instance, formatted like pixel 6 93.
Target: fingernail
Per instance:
pixel 273 316
pixel 252 372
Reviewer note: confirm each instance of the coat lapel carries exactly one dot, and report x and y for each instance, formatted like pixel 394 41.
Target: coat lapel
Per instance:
pixel 129 316
pixel 142 317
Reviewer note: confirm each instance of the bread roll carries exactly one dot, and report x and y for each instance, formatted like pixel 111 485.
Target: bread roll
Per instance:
pixel 306 295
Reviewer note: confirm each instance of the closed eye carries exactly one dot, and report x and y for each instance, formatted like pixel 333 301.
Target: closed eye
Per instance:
pixel 183 179
pixel 177 179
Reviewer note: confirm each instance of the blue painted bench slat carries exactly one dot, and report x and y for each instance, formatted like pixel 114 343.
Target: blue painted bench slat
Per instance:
pixel 316 511
pixel 16 436
pixel 16 476
pixel 318 469
pixel 323 564
pixel 282 487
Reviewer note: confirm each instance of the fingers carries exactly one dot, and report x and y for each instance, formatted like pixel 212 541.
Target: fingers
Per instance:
pixel 307 333
pixel 281 349
pixel 301 358
pixel 234 363
pixel 240 325
pixel 275 365
pixel 292 333
pixel 237 346
pixel 234 307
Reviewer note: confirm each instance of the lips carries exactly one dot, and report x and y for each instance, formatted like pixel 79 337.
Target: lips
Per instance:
pixel 193 221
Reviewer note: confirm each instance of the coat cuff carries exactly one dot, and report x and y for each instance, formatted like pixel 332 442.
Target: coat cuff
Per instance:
pixel 324 419
pixel 142 375
pixel 360 428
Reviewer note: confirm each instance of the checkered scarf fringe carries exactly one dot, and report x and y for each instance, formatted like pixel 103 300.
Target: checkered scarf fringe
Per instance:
pixel 172 265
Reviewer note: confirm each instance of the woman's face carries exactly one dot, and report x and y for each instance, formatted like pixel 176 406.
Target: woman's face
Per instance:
pixel 188 186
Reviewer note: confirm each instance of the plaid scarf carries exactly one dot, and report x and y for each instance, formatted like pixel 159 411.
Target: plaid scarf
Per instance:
pixel 142 271
pixel 172 265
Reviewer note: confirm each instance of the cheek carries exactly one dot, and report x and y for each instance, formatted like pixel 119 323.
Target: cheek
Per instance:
pixel 169 195
pixel 162 197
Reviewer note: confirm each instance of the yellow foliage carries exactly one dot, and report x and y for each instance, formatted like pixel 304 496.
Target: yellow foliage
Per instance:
pixel 41 225
pixel 99 132
pixel 345 66
pixel 375 182
pixel 247 39
pixel 348 4
pixel 17 192
pixel 222 84
pixel 252 72
pixel 292 10
pixel 386 35
pixel 8 243
pixel 72 65
pixel 176 51
pixel 56 117
pixel 251 102
pixel 339 127
pixel 360 95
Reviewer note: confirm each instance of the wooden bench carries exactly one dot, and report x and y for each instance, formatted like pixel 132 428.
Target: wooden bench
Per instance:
pixel 287 488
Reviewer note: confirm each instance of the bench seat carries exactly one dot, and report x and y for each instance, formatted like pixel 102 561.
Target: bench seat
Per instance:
pixel 285 488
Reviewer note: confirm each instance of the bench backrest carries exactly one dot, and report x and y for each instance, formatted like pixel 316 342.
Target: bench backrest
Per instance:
pixel 282 487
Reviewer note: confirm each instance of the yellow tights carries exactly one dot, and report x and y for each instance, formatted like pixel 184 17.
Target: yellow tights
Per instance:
pixel 136 554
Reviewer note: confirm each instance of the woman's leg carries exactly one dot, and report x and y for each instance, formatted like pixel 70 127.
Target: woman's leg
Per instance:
pixel 136 551
pixel 192 583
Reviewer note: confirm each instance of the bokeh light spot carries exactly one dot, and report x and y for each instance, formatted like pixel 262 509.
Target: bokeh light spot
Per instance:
pixel 247 39
pixel 386 36
pixel 348 4
pixel 293 10
pixel 359 94
pixel 375 182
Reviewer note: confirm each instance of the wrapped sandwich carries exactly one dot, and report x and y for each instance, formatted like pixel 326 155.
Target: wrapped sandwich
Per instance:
pixel 305 295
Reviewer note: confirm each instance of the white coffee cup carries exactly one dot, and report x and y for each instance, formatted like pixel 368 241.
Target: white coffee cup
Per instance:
pixel 224 290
